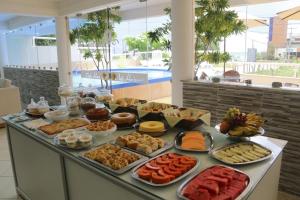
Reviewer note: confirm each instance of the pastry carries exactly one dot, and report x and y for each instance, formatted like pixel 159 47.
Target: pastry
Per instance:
pixel 141 143
pixel 71 141
pixel 58 127
pixel 97 114
pixel 126 102
pixel 152 126
pixel 85 139
pixel 155 107
pixel 123 119
pixel 112 156
pixel 101 126
pixel 62 136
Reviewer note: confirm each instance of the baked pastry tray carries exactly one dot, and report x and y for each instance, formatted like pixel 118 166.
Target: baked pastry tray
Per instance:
pixel 185 183
pixel 135 175
pixel 214 151
pixel 168 145
pixel 209 141
pixel 108 169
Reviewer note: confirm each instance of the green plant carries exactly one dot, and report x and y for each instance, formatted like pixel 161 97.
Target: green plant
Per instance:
pixel 213 23
pixel 95 36
pixel 142 43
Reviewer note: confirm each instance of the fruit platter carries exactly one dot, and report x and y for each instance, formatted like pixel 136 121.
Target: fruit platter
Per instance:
pixel 241 153
pixel 165 169
pixel 237 124
pixel 216 182
pixel 194 141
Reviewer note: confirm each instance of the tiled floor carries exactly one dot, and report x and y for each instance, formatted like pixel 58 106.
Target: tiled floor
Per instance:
pixel 7 188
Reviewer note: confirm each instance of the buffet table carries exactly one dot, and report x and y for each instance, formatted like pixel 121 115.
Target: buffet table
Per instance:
pixel 45 171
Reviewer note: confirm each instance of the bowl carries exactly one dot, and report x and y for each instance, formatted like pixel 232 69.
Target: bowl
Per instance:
pixel 104 133
pixel 57 115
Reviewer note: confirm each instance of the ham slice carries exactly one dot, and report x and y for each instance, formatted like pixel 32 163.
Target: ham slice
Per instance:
pixel 193 140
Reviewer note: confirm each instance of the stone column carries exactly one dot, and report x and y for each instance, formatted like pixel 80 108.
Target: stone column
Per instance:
pixel 183 29
pixel 3 53
pixel 63 50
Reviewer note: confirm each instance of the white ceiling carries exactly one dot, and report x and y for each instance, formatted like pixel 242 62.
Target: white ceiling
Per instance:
pixel 25 10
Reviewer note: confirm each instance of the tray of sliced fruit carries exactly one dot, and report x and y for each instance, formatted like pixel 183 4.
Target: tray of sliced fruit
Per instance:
pixel 216 182
pixel 241 153
pixel 165 169
pixel 237 124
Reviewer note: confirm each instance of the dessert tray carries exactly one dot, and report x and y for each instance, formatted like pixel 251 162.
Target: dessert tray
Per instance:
pixel 99 157
pixel 165 169
pixel 208 142
pixel 216 182
pixel 143 144
pixel 101 128
pixel 154 133
pixel 186 118
pixel 126 105
pixel 78 146
pixel 241 153
pixel 51 130
pixel 153 111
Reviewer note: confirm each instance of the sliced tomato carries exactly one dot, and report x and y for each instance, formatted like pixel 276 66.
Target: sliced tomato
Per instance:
pixel 175 173
pixel 160 179
pixel 172 155
pixel 162 173
pixel 144 174
pixel 151 167
pixel 185 161
pixel 182 169
pixel 161 161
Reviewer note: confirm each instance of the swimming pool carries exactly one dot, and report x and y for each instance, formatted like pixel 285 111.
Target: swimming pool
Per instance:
pixel 154 76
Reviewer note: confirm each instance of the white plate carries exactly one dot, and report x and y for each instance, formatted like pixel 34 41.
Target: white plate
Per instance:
pixel 260 132
pixel 103 133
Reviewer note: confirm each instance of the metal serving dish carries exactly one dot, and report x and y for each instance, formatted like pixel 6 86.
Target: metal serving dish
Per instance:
pixel 185 183
pixel 78 147
pixel 208 141
pixel 135 175
pixel 104 167
pixel 260 132
pixel 168 145
pixel 214 151
pixel 153 134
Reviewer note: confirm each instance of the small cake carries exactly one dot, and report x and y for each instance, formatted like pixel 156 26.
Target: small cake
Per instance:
pixel 123 119
pixel 62 136
pixel 71 141
pixel 85 140
pixel 152 126
pixel 97 114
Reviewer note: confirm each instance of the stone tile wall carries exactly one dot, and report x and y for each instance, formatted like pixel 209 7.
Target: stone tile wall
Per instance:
pixel 280 107
pixel 34 83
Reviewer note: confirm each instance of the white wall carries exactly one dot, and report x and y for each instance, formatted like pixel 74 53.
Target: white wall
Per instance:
pixel 22 52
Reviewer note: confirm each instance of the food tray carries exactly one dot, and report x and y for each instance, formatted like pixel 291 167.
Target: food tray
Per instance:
pixel 153 134
pixel 211 153
pixel 168 145
pixel 260 132
pixel 120 171
pixel 240 197
pixel 102 133
pixel 79 147
pixel 135 176
pixel 45 134
pixel 188 124
pixel 208 141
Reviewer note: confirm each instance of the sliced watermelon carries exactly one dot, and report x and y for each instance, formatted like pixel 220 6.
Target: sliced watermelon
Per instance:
pixel 220 181
pixel 210 185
